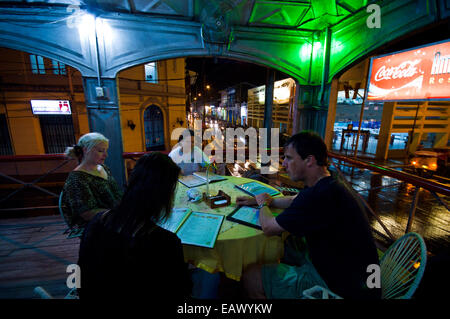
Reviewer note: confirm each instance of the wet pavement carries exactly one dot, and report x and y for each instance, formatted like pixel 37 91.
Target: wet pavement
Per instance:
pixel 392 201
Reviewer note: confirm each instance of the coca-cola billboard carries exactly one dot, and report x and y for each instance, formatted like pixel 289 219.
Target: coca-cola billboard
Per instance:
pixel 418 74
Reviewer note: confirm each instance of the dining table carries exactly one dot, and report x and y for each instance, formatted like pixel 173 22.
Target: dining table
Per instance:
pixel 237 246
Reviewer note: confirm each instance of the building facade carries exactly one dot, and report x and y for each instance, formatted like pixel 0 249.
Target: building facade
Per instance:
pixel 151 102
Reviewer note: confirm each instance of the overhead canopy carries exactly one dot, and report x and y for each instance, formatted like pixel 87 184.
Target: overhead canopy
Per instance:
pixel 310 40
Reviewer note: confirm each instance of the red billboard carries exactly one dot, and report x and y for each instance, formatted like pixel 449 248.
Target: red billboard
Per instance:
pixel 417 74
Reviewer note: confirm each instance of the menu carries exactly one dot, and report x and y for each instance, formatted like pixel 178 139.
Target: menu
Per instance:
pixel 246 215
pixel 194 228
pixel 176 219
pixel 255 188
pixel 199 178
pixel 200 229
pixel 191 181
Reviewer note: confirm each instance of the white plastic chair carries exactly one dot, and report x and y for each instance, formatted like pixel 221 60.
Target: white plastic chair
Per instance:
pixel 402 267
pixel 72 232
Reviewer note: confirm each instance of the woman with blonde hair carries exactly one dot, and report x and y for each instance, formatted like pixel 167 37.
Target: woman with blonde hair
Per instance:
pixel 90 188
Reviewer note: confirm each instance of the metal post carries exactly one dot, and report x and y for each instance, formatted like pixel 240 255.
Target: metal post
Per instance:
pixel 325 64
pixel 412 211
pixel 295 112
pixel 269 103
pixel 362 109
pixel 104 118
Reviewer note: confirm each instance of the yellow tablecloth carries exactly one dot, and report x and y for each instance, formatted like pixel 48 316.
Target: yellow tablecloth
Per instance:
pixel 237 246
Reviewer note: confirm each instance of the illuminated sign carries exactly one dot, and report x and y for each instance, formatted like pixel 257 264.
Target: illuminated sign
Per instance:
pixel 50 107
pixel 281 91
pixel 417 74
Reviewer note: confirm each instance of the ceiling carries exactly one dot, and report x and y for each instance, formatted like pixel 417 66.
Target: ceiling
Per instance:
pixel 309 15
pixel 287 14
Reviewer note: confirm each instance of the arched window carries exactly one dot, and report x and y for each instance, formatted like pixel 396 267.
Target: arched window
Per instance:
pixel 154 128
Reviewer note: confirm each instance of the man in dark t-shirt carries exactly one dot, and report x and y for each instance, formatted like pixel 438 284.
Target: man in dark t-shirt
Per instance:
pixel 333 222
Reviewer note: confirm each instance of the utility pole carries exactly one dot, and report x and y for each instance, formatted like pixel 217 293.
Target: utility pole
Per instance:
pixel 268 105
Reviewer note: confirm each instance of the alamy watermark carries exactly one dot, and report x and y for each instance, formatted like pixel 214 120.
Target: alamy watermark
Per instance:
pixel 374 279
pixel 257 145
pixel 74 279
pixel 373 21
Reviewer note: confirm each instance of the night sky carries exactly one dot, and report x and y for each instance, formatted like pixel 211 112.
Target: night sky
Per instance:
pixel 222 73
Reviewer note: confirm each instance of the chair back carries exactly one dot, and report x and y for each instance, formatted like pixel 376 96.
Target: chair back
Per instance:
pixel 63 213
pixel 402 267
pixel 73 230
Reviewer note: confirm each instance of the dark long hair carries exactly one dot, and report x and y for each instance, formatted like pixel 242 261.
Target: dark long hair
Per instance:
pixel 148 197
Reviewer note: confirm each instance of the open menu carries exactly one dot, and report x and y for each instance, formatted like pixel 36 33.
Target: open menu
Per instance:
pixel 176 219
pixel 211 176
pixel 191 181
pixel 199 178
pixel 255 188
pixel 194 228
pixel 245 215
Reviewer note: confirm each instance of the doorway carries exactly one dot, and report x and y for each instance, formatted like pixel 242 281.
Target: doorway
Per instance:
pixel 154 128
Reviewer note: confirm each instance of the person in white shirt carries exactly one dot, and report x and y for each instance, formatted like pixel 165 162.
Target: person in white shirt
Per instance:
pixel 184 154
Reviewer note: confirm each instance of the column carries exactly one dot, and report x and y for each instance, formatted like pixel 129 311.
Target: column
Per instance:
pixel 268 104
pixel 104 118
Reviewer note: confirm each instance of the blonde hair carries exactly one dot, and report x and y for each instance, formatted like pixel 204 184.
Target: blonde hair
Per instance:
pixel 88 141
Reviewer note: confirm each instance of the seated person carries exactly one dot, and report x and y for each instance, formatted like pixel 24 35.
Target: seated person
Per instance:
pixel 90 188
pixel 184 155
pixel 333 222
pixel 124 254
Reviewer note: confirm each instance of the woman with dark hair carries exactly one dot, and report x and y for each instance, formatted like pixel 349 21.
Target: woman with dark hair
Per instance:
pixel 123 253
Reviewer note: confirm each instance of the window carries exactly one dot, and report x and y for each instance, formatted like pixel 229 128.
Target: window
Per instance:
pixel 57 132
pixel 37 64
pixel 5 140
pixel 151 73
pixel 58 67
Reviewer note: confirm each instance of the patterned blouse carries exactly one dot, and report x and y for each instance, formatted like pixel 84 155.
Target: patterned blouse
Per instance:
pixel 83 191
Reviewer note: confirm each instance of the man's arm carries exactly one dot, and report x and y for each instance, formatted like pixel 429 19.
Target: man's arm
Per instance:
pixel 282 202
pixel 269 224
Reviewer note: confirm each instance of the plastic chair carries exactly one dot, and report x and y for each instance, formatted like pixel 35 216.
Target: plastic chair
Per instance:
pixel 72 231
pixel 402 267
pixel 44 294
pixel 319 292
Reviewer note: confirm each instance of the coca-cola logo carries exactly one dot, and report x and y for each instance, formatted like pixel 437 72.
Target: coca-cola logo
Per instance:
pixel 406 69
